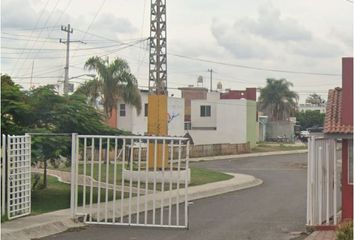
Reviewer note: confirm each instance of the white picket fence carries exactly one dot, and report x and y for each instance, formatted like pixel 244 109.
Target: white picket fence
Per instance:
pixel 15 176
pixel 151 196
pixel 323 182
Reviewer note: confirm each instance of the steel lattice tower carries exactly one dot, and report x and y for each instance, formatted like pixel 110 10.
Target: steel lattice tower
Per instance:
pixel 158 48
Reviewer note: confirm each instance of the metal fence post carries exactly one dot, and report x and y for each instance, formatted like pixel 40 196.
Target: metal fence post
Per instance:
pixel 3 174
pixel 73 186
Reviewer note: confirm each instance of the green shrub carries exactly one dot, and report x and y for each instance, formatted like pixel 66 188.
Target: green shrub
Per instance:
pixel 345 231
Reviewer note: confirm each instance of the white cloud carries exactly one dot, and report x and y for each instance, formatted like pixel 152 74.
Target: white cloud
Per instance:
pixel 271 25
pixel 238 41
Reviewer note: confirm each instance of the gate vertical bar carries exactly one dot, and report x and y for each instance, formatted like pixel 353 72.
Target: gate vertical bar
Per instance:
pixel 186 205
pixel 122 184
pixel 319 185
pixel 309 159
pixel 28 153
pixel 163 180
pixel 84 183
pixel 73 175
pixel 154 185
pixel 146 180
pixel 9 163
pixel 178 177
pixel 335 182
pixel 107 182
pixel 99 179
pixel 114 180
pixel 130 179
pixel 170 188
pixel 91 175
pixel 138 193
pixel 327 181
pixel 3 174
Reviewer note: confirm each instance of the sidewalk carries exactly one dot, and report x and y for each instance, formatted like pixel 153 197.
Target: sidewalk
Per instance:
pixel 42 225
pixel 212 158
pixel 322 235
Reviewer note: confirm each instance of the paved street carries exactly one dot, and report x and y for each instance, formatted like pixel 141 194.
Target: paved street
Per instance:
pixel 267 212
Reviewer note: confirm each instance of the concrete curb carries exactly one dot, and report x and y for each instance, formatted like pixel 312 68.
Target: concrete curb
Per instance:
pixel 246 155
pixel 59 221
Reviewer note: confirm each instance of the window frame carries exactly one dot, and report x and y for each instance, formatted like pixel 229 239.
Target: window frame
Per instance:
pixel 205 113
pixel 122 111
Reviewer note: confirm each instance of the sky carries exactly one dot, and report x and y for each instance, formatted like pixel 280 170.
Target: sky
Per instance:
pixel 240 40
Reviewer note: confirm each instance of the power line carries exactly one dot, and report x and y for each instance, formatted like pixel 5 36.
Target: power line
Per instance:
pixel 251 67
pixel 32 29
pixel 37 21
pixel 40 33
pixel 22 77
pixel 126 45
pixel 233 64
pixel 93 20
pixel 56 49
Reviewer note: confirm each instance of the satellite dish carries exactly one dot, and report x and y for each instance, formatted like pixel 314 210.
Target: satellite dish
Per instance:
pixel 200 81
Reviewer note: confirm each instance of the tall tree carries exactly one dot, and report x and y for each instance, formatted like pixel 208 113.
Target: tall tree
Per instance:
pixel 115 82
pixel 310 119
pixel 277 100
pixel 14 107
pixel 316 99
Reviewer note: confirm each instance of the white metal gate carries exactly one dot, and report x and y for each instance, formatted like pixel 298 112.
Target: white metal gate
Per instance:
pixel 115 183
pixel 16 176
pixel 323 181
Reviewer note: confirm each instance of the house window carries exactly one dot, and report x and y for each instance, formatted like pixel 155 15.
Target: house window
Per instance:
pixel 205 111
pixel 146 110
pixel 350 162
pixel 122 110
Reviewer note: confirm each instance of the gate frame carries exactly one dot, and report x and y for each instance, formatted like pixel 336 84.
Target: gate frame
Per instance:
pixel 322 181
pixel 150 139
pixel 21 156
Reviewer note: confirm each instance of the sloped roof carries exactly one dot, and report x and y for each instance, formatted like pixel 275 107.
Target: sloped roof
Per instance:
pixel 333 120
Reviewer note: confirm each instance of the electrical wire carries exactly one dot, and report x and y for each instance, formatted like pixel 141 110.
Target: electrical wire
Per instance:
pixel 40 33
pixel 37 21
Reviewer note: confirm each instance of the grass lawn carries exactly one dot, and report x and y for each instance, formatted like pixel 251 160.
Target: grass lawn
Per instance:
pixel 199 176
pixel 57 196
pixel 271 147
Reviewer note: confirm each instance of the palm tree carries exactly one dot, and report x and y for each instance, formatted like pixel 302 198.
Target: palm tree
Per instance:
pixel 277 100
pixel 115 82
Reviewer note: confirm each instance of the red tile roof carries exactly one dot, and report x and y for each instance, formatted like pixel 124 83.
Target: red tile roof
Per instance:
pixel 333 119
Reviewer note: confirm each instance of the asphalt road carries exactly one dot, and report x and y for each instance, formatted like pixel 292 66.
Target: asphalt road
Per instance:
pixel 270 211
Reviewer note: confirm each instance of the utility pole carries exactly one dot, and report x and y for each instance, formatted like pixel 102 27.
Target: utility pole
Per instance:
pixel 31 82
pixel 69 30
pixel 211 79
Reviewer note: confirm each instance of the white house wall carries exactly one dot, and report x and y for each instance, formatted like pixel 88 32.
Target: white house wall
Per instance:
pixel 203 122
pixel 230 120
pixel 125 123
pixel 137 124
pixel 176 116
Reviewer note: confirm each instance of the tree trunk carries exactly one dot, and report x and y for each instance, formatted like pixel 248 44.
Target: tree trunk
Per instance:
pixel 45 181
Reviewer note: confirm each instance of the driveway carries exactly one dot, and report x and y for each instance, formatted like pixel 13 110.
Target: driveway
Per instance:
pixel 270 211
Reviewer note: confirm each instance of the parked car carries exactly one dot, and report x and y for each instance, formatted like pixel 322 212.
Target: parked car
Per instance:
pixel 304 135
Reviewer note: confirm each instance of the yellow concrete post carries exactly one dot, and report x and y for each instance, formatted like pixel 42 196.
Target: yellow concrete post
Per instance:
pixel 157 126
